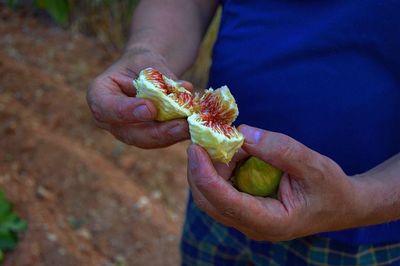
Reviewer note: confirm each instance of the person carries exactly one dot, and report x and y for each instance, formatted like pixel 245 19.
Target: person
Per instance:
pixel 319 81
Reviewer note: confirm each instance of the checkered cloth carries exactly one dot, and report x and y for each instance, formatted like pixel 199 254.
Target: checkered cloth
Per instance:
pixel 206 242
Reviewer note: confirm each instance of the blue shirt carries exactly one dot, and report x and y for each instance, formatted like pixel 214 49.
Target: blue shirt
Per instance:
pixel 326 73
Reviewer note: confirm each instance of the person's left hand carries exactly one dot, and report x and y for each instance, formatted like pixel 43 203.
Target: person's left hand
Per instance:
pixel 315 195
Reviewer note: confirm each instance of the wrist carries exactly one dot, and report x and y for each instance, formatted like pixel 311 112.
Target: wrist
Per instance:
pixel 139 57
pixel 138 49
pixel 373 201
pixel 143 54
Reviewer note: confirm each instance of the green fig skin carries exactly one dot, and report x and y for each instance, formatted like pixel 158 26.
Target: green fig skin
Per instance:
pixel 257 178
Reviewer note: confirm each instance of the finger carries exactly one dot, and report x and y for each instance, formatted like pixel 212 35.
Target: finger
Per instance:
pixel 118 108
pixel 114 80
pixel 226 170
pixel 281 151
pixel 203 204
pixel 125 83
pixel 109 104
pixel 288 194
pixel 149 135
pixel 244 209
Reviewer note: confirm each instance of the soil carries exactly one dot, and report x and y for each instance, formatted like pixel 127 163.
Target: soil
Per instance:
pixel 88 199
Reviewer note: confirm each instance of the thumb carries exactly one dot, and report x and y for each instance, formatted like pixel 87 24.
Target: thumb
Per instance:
pixel 280 151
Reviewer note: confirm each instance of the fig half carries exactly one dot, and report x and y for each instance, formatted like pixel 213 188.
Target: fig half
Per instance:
pixel 171 100
pixel 211 124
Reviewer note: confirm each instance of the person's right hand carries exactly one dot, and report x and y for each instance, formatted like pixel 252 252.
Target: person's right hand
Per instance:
pixel 111 98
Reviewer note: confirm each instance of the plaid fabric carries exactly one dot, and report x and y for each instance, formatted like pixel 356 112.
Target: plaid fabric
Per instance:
pixel 206 242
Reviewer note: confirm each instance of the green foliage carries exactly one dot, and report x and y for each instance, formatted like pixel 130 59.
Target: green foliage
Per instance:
pixel 58 9
pixel 12 4
pixel 10 226
pixel 108 20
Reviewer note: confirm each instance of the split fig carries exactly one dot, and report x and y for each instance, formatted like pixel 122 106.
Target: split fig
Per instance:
pixel 210 116
pixel 171 100
pixel 211 124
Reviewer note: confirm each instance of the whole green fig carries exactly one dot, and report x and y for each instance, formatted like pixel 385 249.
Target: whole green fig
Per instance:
pixel 257 177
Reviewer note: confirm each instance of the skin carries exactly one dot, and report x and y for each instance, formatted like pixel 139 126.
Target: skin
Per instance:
pixel 315 194
pixel 111 96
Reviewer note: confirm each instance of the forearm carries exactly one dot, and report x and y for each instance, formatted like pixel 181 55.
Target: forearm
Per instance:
pixel 379 192
pixel 172 29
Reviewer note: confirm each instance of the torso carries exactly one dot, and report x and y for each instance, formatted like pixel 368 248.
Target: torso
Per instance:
pixel 327 73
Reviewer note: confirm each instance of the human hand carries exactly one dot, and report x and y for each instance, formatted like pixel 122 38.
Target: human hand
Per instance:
pixel 315 195
pixel 111 98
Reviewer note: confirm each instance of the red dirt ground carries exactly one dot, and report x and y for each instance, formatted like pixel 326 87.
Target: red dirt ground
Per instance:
pixel 88 199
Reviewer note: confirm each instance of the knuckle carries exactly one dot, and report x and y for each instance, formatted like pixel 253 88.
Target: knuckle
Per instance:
pixel 200 203
pixel 96 111
pixel 284 147
pixel 230 212
pixel 120 112
pixel 93 101
pixel 156 135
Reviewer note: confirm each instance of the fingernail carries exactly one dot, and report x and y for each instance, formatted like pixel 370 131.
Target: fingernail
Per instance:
pixel 142 113
pixel 251 135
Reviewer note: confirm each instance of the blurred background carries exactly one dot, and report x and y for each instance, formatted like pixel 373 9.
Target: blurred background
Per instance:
pixel 73 194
